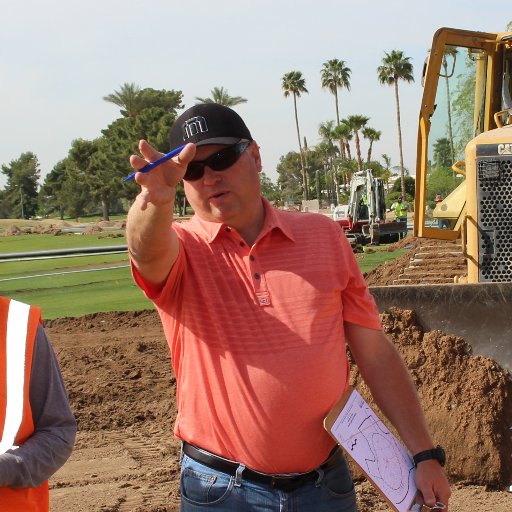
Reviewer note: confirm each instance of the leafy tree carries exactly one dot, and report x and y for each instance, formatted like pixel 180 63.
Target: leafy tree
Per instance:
pixel 109 162
pixel 290 180
pixel 52 196
pixel 372 135
pixel 442 153
pixel 5 205
pixel 269 190
pixel 441 180
pixel 166 100
pixel 463 106
pixel 293 83
pixel 335 75
pixel 410 188
pixel 396 66
pixel 221 96
pixel 21 188
pixel 356 123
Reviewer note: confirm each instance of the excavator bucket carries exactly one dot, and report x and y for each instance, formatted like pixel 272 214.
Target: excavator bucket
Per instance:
pixel 480 313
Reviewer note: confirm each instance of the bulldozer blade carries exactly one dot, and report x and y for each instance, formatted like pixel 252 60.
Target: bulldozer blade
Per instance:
pixel 480 313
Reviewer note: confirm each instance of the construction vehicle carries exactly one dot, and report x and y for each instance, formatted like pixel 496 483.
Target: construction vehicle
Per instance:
pixel 363 220
pixel 466 119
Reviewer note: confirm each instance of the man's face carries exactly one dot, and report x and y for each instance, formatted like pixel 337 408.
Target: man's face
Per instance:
pixel 231 196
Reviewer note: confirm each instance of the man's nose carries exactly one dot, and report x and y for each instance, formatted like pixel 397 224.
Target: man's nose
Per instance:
pixel 210 176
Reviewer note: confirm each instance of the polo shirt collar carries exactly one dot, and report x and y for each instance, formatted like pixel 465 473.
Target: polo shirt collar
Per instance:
pixel 273 220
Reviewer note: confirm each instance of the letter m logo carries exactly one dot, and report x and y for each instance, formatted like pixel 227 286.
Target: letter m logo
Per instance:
pixel 193 126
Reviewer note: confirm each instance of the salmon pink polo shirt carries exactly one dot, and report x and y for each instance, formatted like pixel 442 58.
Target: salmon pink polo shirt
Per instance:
pixel 256 336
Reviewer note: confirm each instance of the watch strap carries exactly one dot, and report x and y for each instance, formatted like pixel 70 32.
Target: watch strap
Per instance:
pixel 433 454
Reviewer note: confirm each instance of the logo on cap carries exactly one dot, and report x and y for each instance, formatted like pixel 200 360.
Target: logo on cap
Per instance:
pixel 193 126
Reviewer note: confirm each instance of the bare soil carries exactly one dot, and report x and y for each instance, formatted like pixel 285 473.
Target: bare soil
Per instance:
pixel 122 391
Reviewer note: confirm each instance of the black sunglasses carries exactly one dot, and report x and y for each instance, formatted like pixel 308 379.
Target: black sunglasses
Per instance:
pixel 219 161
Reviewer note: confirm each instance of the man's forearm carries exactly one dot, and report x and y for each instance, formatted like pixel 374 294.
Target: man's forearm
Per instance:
pixel 385 373
pixel 152 244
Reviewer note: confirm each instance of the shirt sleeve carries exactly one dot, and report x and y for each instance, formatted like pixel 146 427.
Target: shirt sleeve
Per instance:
pixel 358 303
pixel 53 439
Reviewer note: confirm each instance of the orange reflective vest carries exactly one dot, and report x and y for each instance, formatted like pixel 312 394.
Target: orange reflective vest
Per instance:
pixel 18 328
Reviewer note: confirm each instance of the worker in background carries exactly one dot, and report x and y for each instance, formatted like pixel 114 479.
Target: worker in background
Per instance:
pixel 37 426
pixel 400 207
pixel 257 305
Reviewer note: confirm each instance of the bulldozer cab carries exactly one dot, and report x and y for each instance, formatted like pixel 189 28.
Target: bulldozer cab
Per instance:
pixel 464 189
pixel 467 92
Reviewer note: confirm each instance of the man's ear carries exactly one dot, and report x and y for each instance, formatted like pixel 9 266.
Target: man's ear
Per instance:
pixel 255 153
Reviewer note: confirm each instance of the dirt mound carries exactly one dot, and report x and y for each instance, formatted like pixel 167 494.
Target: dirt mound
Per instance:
pixel 118 374
pixel 464 397
pixel 13 231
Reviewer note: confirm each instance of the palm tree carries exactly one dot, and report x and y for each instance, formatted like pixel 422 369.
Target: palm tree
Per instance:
pixel 335 75
pixel 221 96
pixel 395 66
pixel 128 98
pixel 326 132
pixel 450 51
pixel 387 170
pixel 293 83
pixel 372 135
pixel 344 134
pixel 355 123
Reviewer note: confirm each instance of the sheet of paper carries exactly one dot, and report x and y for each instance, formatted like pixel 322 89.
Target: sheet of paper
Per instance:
pixel 380 455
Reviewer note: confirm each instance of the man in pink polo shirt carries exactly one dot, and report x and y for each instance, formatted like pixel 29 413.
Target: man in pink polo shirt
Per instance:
pixel 257 305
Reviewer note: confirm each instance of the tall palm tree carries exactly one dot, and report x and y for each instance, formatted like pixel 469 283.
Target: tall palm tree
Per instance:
pixel 293 83
pixel 128 98
pixel 450 51
pixel 335 75
pixel 221 96
pixel 343 134
pixel 372 135
pixel 356 123
pixel 396 66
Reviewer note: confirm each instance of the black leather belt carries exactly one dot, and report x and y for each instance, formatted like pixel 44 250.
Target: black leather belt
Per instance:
pixel 281 482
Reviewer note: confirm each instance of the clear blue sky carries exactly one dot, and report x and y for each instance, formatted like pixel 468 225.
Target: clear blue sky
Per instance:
pixel 58 59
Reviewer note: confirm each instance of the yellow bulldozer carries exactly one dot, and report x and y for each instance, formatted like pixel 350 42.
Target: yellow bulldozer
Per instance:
pixel 465 126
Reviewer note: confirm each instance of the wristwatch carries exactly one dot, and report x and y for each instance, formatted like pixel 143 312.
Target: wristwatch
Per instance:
pixel 436 453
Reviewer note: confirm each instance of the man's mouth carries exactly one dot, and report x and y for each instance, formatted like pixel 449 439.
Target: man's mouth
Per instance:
pixel 217 195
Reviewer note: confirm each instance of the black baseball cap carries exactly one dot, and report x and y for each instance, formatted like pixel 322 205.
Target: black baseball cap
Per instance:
pixel 208 123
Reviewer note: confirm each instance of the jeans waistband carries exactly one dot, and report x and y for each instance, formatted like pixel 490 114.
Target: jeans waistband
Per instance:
pixel 283 482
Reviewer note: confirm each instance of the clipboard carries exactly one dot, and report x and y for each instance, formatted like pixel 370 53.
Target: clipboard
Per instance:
pixel 383 459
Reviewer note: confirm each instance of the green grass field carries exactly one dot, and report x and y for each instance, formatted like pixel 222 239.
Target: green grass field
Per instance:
pixel 74 286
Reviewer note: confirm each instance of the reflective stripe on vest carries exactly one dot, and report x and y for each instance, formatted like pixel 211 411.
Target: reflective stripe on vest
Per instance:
pixel 17 324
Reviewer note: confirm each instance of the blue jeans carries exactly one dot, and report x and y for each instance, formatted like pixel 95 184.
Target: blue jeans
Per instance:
pixel 204 488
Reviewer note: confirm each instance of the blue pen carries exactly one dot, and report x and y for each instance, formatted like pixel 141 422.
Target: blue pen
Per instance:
pixel 154 164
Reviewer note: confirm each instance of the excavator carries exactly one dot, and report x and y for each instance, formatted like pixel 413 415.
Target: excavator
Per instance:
pixel 465 138
pixel 363 219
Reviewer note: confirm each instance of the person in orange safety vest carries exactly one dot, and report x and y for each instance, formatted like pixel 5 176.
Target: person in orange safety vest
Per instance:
pixel 37 426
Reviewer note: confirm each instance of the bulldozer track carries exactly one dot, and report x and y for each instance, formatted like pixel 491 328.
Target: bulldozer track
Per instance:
pixel 434 264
